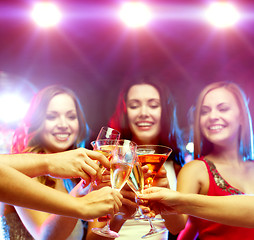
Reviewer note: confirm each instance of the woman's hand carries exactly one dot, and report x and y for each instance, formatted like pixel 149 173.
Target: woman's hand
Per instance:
pixel 78 163
pixel 101 202
pixel 81 189
pixel 161 199
pixel 161 179
pixel 103 182
pixel 129 206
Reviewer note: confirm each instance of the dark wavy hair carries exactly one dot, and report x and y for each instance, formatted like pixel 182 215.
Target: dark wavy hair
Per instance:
pixel 170 134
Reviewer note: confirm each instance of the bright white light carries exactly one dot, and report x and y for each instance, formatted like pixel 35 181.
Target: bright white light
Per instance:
pixel 222 14
pixel 46 14
pixel 12 108
pixel 135 14
pixel 190 147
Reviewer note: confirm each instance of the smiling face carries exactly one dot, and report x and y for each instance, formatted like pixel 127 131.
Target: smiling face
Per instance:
pixel 144 113
pixel 220 117
pixel 61 126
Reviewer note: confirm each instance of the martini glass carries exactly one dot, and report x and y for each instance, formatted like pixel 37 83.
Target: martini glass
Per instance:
pixel 154 156
pixel 120 168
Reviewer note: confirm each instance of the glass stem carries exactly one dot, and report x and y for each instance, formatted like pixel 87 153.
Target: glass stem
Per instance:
pixel 140 211
pixel 151 225
pixel 107 226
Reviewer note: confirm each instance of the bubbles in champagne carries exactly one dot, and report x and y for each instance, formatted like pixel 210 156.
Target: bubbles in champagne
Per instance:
pixel 136 179
pixel 119 174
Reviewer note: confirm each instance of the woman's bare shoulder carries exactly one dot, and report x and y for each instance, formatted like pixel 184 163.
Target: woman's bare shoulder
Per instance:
pixel 195 164
pixel 193 177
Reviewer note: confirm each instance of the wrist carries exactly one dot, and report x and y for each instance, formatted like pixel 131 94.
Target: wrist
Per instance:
pixel 78 206
pixel 46 163
pixel 182 203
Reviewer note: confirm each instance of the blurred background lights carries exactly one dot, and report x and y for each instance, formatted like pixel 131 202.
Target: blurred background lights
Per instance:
pixel 222 14
pixel 135 14
pixel 15 95
pixel 12 107
pixel 190 147
pixel 46 14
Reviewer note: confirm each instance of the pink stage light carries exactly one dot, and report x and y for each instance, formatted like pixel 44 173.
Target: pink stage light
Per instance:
pixel 222 14
pixel 135 14
pixel 12 107
pixel 46 14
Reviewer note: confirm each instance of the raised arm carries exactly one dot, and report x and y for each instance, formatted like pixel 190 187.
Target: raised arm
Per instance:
pixel 18 189
pixel 231 210
pixel 189 180
pixel 42 225
pixel 70 164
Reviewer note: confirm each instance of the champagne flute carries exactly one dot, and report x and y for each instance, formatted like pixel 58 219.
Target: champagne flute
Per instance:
pixel 120 169
pixel 136 183
pixel 106 147
pixel 108 133
pixel 154 156
pixel 105 144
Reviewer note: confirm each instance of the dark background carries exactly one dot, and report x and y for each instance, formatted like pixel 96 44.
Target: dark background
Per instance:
pixel 91 51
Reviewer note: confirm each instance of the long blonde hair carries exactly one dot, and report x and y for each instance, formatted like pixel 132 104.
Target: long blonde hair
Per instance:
pixel 201 145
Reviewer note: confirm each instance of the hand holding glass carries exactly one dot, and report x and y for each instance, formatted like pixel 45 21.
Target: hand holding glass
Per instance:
pixel 105 144
pixel 120 168
pixel 154 156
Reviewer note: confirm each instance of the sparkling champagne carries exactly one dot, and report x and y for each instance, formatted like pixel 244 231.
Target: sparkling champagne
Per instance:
pixel 136 179
pixel 119 174
pixel 107 151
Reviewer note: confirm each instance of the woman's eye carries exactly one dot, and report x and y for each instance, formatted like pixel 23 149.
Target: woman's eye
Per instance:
pixel 73 117
pixel 204 111
pixel 154 105
pixel 133 106
pixel 224 109
pixel 50 117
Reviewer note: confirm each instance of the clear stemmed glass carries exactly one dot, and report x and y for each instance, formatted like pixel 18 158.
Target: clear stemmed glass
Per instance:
pixel 105 143
pixel 108 133
pixel 154 156
pixel 136 183
pixel 106 147
pixel 120 168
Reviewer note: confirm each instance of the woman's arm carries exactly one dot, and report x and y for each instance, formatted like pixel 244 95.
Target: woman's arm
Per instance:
pixel 70 164
pixel 18 189
pixel 42 225
pixel 191 179
pixel 232 210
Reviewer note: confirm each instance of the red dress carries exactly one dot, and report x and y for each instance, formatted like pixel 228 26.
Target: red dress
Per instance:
pixel 209 230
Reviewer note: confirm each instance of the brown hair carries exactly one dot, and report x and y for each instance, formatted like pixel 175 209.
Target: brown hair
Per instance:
pixel 26 138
